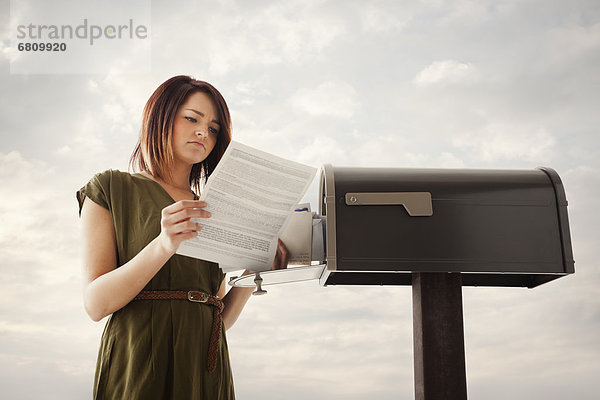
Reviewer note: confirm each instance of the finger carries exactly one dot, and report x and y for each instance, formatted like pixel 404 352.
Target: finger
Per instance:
pixel 285 254
pixel 282 255
pixel 182 227
pixel 192 213
pixel 276 260
pixel 184 204
pixel 184 215
pixel 283 248
pixel 187 235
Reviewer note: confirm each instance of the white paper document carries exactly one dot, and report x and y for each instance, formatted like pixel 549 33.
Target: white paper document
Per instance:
pixel 251 195
pixel 297 235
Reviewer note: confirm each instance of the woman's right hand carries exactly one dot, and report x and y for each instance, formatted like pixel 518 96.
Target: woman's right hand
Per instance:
pixel 176 225
pixel 108 288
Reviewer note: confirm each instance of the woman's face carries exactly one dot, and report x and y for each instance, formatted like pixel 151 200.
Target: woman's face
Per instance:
pixel 195 129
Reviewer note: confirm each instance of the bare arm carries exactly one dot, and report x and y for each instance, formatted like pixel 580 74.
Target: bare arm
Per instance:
pixel 108 288
pixel 237 297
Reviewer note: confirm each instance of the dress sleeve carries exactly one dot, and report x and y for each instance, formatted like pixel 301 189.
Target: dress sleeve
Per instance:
pixel 97 189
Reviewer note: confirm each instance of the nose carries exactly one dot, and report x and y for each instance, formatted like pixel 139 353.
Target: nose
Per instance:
pixel 201 133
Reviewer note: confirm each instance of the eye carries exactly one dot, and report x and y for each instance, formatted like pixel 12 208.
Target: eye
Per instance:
pixel 191 119
pixel 212 130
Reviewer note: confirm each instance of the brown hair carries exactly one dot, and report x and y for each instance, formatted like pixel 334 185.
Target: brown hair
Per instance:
pixel 153 152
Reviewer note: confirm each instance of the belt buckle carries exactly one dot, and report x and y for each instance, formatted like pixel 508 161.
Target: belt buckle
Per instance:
pixel 197 297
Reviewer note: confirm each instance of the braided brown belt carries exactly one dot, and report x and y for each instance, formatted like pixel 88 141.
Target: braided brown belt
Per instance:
pixel 196 297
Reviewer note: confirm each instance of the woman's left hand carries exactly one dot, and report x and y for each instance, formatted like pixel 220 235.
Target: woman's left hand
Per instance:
pixel 282 256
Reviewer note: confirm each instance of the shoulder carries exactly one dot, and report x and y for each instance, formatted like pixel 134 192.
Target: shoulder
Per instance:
pixel 114 178
pixel 110 175
pixel 104 186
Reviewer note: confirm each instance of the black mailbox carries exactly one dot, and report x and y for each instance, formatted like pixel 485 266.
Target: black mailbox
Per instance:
pixel 495 227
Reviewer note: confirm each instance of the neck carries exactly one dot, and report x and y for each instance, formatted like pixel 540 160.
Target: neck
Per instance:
pixel 180 177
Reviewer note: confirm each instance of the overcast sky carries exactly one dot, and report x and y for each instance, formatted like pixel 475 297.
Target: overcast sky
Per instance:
pixel 461 84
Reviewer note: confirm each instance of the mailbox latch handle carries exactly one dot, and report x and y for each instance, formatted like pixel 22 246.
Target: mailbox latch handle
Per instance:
pixel 417 204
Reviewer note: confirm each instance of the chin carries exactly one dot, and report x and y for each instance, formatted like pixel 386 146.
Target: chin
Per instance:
pixel 196 159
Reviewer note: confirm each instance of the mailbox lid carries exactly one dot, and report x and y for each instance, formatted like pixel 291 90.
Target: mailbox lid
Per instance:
pixel 484 222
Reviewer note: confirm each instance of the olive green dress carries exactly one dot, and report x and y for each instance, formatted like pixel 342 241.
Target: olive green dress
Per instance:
pixel 155 349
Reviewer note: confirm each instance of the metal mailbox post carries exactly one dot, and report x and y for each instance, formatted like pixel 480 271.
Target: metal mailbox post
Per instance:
pixel 438 230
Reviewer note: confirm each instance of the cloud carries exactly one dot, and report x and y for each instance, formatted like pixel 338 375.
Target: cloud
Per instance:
pixel 45 334
pixel 38 214
pixel 448 160
pixel 463 12
pixel 234 37
pixel 446 72
pixel 335 345
pixel 9 53
pixel 499 141
pixel 383 151
pixel 331 98
pixel 582 186
pixel 427 84
pixel 380 19
pixel 323 150
pixel 568 43
pixel 104 125
pixel 248 91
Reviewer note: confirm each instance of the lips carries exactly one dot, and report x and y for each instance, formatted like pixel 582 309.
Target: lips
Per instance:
pixel 197 144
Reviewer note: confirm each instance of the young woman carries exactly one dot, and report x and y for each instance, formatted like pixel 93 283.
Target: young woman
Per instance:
pixel 165 338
